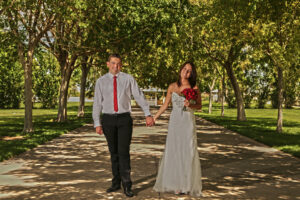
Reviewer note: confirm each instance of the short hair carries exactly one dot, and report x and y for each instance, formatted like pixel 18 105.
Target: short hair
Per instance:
pixel 114 55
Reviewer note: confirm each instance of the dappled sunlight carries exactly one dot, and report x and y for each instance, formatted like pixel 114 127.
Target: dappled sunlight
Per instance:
pixel 12 194
pixel 261 126
pixel 77 166
pixel 63 170
pixel 237 167
pixel 12 138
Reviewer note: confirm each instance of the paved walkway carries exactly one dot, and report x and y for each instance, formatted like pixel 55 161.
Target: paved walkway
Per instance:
pixel 77 166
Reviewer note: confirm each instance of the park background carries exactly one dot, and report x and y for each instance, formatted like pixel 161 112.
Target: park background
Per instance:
pixel 246 53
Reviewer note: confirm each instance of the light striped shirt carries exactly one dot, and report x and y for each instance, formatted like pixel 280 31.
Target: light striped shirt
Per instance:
pixel 104 96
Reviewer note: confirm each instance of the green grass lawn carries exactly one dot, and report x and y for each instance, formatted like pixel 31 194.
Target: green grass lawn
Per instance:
pixel 45 127
pixel 261 126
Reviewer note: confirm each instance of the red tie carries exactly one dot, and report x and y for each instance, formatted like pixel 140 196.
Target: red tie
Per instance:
pixel 115 94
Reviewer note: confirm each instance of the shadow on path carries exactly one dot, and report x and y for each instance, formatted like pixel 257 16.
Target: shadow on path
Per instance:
pixel 77 166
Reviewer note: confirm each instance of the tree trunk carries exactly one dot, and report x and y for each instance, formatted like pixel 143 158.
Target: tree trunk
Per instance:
pixel 222 94
pixel 27 65
pixel 280 100
pixel 219 96
pixel 241 115
pixel 63 93
pixel 210 101
pixel 211 87
pixel 84 70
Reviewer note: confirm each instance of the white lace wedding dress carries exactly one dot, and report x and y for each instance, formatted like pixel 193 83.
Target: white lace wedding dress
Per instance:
pixel 179 168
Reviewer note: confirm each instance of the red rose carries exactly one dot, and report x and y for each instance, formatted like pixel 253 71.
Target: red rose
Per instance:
pixel 190 93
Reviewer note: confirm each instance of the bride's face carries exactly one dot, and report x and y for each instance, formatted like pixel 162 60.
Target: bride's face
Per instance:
pixel 186 71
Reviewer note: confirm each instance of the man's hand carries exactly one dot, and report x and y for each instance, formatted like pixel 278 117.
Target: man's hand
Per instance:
pixel 99 130
pixel 149 121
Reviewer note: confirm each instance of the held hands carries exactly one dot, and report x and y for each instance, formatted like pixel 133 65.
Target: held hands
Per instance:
pixel 149 121
pixel 99 130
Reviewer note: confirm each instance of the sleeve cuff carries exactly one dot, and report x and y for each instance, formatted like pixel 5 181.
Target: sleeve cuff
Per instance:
pixel 147 113
pixel 97 124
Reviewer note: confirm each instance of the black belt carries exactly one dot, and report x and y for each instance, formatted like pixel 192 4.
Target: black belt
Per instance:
pixel 117 114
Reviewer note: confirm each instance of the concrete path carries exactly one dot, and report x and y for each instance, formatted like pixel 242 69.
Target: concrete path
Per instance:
pixel 77 166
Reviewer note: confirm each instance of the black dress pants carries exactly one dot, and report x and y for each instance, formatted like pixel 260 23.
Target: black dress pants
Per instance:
pixel 117 129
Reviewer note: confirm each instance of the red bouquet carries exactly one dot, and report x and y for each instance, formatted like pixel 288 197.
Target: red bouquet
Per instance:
pixel 191 95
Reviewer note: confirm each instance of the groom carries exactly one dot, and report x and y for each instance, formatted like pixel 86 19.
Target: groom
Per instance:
pixel 112 98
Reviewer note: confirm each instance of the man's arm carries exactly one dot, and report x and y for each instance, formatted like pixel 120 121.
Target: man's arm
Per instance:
pixel 140 99
pixel 97 107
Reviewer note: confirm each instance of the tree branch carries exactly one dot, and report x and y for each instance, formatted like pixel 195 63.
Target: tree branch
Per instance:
pixel 23 22
pixel 8 7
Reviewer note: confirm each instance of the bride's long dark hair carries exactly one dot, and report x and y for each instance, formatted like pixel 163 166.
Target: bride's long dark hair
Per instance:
pixel 193 77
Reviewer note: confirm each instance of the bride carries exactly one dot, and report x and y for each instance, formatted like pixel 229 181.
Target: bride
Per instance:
pixel 179 169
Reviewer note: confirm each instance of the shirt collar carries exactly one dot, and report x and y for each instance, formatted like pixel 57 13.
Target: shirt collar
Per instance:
pixel 111 75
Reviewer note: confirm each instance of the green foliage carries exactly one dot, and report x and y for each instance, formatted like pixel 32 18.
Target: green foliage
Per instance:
pixel 98 69
pixel 277 37
pixel 274 95
pixel 75 83
pixel 11 90
pixel 230 99
pixel 46 80
pixel 250 84
pixel 263 97
pixel 264 86
pixel 229 95
pixel 155 37
pixel 292 77
pixel 11 72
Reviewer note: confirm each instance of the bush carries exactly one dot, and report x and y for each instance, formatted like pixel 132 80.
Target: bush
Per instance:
pixel 46 81
pixel 11 78
pixel 274 98
pixel 230 99
pixel 262 98
pixel 289 97
pixel 248 100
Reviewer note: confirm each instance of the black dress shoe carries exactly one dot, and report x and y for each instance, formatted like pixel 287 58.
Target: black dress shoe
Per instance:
pixel 113 188
pixel 128 192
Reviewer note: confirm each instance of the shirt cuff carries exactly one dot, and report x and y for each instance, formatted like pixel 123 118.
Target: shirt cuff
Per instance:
pixel 97 124
pixel 147 113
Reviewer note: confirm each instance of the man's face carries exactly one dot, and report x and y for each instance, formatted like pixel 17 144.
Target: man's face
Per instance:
pixel 114 65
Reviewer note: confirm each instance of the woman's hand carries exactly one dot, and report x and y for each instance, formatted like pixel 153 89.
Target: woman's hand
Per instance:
pixel 186 103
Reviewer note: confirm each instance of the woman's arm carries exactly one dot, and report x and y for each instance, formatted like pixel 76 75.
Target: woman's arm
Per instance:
pixel 166 103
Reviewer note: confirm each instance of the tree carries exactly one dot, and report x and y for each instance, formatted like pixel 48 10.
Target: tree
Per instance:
pixel 86 65
pixel 27 21
pixel 223 75
pixel 65 42
pixel 223 32
pixel 278 31
pixel 159 51
pixel 88 28
pixel 210 76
